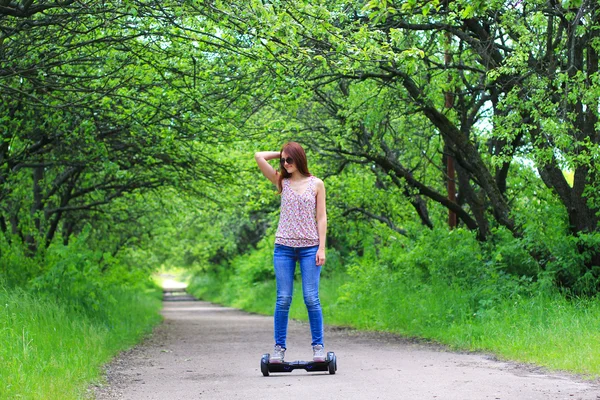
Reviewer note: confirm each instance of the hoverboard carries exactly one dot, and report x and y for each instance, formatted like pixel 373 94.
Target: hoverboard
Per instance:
pixel 330 364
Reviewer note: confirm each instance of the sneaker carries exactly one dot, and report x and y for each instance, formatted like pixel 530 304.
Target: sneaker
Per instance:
pixel 277 356
pixel 319 353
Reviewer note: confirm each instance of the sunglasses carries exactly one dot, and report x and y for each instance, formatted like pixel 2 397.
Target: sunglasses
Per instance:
pixel 288 160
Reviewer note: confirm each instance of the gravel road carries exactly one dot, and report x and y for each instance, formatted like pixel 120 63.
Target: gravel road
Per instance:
pixel 204 351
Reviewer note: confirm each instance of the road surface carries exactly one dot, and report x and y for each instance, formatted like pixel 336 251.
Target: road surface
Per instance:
pixel 204 351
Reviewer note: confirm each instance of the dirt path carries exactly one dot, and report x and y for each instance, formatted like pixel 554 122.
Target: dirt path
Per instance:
pixel 203 351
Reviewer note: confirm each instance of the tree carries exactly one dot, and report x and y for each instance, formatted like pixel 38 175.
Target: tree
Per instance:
pixel 522 77
pixel 101 100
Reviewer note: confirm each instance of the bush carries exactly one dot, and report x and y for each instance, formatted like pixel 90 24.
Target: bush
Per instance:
pixel 16 269
pixel 85 279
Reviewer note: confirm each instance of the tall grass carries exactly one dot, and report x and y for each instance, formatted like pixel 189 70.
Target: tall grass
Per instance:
pixel 543 329
pixel 52 351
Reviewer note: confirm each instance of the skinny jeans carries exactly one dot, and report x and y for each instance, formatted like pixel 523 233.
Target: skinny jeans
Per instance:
pixel 284 261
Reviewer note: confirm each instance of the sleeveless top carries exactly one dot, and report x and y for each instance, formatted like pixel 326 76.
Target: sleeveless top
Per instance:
pixel 298 216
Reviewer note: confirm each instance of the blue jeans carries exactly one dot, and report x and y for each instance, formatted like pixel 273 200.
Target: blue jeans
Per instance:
pixel 284 260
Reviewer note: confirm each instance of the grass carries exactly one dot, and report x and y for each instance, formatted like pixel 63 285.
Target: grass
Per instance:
pixel 546 330
pixel 550 331
pixel 50 351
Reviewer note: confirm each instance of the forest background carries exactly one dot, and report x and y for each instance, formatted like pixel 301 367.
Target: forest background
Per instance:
pixel 458 142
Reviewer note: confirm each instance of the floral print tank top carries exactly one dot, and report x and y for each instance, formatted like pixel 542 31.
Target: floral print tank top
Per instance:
pixel 298 216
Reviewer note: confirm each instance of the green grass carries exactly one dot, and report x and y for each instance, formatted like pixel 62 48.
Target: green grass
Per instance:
pixel 549 331
pixel 50 351
pixel 545 330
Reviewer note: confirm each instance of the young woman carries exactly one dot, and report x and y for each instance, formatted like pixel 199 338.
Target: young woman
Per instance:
pixel 300 238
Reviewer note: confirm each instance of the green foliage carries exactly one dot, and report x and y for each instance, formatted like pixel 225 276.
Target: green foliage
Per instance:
pixel 538 328
pixel 66 311
pixel 102 105
pixel 569 261
pixel 455 259
pixel 15 267
pixel 49 350
pixel 75 275
pixel 369 97
pixel 256 266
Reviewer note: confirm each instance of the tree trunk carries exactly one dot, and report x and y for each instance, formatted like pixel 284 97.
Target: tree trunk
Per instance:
pixel 466 154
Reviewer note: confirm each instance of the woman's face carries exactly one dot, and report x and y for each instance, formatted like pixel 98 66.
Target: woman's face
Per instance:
pixel 289 164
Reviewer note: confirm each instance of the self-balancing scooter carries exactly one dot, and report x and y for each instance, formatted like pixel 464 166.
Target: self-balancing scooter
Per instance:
pixel 330 364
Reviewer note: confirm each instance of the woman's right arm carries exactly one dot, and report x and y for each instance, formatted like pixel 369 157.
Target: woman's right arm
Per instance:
pixel 261 158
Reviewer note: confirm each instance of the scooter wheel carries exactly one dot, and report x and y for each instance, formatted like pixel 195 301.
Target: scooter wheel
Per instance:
pixel 264 364
pixel 332 362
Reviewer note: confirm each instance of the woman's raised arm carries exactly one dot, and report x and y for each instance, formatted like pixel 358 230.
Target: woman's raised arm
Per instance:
pixel 261 158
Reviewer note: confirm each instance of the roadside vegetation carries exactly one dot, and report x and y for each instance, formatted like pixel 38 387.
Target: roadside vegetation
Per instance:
pixel 58 331
pixel 51 350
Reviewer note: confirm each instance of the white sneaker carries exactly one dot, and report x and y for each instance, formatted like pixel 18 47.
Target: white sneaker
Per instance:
pixel 319 353
pixel 277 356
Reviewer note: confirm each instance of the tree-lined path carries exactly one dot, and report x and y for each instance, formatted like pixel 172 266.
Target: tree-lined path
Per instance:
pixel 204 351
pixel 458 141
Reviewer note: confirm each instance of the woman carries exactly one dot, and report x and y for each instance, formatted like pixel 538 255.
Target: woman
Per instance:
pixel 300 238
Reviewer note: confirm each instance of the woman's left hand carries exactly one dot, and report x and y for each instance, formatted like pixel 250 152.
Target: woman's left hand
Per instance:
pixel 320 257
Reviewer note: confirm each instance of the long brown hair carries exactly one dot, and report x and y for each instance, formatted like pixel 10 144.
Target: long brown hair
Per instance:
pixel 294 150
